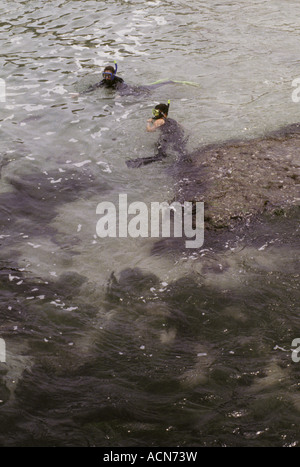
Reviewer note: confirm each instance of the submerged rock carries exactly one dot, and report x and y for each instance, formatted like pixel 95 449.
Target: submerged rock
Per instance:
pixel 242 178
pixel 131 283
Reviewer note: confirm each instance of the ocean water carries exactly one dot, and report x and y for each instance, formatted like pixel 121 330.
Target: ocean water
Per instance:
pixel 124 341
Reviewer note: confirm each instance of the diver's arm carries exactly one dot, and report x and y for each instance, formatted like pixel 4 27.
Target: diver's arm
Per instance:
pixel 152 125
pixel 93 87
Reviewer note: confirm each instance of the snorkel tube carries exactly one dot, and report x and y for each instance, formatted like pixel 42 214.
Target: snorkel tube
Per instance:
pixel 116 68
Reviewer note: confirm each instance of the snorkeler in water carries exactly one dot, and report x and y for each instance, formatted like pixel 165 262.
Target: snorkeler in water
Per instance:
pixel 171 136
pixel 110 79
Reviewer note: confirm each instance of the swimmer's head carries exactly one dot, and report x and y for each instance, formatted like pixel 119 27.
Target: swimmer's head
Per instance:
pixel 160 111
pixel 109 73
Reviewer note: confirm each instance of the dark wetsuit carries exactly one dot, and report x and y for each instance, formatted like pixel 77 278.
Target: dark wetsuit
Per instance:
pixel 171 137
pixel 115 83
pixel 118 84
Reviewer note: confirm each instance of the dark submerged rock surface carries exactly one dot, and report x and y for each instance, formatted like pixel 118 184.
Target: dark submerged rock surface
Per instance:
pixel 240 179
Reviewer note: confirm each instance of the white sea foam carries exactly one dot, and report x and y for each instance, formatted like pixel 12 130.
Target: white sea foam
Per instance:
pixel 81 164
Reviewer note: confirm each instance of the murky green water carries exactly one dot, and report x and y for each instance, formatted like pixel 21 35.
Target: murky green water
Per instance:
pixel 177 348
